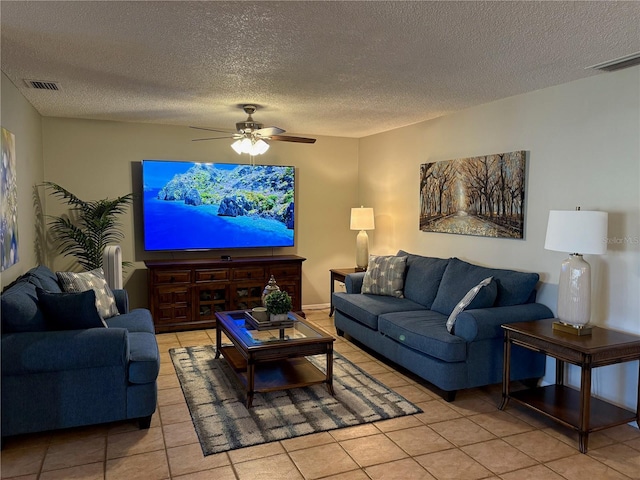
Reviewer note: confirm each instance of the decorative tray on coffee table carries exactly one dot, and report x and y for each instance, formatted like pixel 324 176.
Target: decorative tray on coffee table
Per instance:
pixel 267 324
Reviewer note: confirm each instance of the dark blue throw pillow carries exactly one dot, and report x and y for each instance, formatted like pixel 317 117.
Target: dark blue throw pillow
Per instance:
pixel 70 311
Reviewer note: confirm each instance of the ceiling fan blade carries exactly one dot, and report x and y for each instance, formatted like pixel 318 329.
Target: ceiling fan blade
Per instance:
pixel 269 131
pixel 211 138
pixel 286 138
pixel 214 129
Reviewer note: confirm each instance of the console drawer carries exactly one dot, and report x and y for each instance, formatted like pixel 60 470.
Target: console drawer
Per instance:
pixel 252 273
pixel 161 277
pixel 212 275
pixel 284 271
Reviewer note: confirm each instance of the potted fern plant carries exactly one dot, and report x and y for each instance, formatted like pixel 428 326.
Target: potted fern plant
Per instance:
pixel 91 226
pixel 278 305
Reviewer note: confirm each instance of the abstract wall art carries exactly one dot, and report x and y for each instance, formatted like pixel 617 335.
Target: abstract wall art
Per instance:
pixel 481 196
pixel 9 195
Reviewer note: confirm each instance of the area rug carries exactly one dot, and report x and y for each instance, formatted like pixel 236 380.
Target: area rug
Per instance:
pixel 222 422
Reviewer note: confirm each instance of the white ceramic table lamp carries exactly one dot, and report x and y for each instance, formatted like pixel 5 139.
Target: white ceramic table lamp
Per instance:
pixel 362 219
pixel 577 232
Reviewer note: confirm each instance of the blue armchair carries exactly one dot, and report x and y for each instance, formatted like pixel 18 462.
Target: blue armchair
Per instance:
pixel 54 379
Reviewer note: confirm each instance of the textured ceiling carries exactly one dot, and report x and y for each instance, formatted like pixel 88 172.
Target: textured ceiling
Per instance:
pixel 317 68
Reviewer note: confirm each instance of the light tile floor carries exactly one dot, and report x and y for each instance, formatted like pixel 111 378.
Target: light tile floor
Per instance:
pixel 468 439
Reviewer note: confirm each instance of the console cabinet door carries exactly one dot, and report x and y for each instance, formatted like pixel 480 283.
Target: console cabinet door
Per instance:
pixel 246 295
pixel 289 278
pixel 172 304
pixel 211 298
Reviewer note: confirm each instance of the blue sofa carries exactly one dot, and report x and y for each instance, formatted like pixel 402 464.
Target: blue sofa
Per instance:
pixel 54 379
pixel 411 331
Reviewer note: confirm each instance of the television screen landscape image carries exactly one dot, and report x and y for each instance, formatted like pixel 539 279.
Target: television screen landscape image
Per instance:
pixel 202 206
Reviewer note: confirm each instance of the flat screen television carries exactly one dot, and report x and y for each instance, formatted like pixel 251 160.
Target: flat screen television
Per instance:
pixel 203 206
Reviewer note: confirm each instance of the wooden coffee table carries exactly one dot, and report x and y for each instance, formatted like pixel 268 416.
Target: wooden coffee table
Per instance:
pixel 274 359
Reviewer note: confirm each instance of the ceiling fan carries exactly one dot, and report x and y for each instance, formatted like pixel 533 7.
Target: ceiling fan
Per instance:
pixel 250 135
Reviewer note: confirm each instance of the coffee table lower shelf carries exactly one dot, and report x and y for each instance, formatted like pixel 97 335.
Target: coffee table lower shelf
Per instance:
pixel 274 375
pixel 562 403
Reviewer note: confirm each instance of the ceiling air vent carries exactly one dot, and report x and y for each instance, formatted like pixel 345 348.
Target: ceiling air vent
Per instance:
pixel 42 85
pixel 618 63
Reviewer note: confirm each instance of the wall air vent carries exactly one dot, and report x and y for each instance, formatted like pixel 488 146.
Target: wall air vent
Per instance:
pixel 618 63
pixel 42 85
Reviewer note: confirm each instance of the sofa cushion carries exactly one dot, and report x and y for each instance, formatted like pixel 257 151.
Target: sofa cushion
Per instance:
pixel 514 288
pixel 70 311
pixel 366 308
pixel 20 309
pixel 385 276
pixel 426 332
pixel 473 299
pixel 94 280
pixel 422 277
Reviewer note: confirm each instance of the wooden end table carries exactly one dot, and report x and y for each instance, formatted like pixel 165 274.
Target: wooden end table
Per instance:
pixel 339 275
pixel 572 408
pixel 273 359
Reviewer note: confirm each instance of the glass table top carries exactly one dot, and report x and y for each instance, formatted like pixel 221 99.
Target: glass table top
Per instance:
pixel 236 321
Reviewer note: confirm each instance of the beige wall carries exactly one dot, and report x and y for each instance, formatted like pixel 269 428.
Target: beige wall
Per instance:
pixel 583 150
pixel 99 159
pixel 21 119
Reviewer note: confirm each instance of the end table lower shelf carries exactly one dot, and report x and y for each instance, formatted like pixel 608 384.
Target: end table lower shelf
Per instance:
pixel 562 403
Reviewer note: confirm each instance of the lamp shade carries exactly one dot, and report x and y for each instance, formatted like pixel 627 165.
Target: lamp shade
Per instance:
pixel 577 231
pixel 362 219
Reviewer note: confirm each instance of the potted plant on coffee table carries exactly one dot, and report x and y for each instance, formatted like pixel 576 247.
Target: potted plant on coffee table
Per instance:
pixel 278 305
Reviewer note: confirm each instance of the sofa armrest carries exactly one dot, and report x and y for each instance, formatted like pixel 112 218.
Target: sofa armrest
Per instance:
pixel 122 300
pixel 484 323
pixel 353 282
pixel 40 352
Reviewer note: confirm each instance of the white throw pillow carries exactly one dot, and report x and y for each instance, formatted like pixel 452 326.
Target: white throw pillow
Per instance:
pixel 94 280
pixel 466 300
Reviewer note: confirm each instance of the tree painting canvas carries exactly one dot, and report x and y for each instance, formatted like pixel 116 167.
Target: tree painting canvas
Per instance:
pixel 9 195
pixel 482 196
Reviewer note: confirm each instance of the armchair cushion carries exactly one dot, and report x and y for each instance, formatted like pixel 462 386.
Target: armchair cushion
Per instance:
pixel 19 309
pixel 44 278
pixel 137 320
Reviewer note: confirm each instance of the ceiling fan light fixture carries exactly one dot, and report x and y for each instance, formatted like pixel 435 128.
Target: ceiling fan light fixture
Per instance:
pixel 260 147
pixel 250 146
pixel 237 146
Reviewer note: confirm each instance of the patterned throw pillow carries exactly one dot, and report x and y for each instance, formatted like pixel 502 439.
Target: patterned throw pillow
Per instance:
pixel 466 300
pixel 93 280
pixel 385 276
